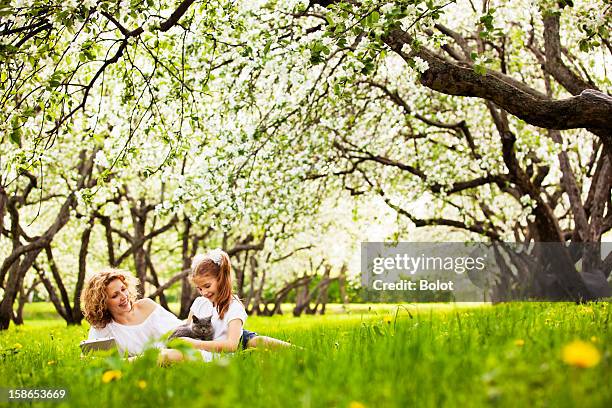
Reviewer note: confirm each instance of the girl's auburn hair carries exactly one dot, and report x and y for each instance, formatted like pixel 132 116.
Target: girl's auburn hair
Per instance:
pixel 203 265
pixel 93 296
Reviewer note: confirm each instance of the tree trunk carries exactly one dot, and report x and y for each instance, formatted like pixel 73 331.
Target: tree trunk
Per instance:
pixel 253 268
pixel 15 279
pixel 59 284
pixel 139 219
pixel 155 279
pixel 51 292
pixel 342 284
pixel 28 253
pixel 187 292
pixel 259 294
pixel 282 294
pixel 77 313
pixel 3 202
pixel 24 297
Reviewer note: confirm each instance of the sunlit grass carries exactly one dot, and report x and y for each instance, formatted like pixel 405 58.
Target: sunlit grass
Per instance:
pixel 384 356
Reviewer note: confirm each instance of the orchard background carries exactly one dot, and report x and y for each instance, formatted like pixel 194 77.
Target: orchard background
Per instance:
pixel 135 134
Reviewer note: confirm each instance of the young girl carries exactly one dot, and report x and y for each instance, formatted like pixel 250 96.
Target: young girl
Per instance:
pixel 211 275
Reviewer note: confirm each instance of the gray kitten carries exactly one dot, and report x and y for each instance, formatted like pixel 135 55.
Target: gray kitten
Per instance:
pixel 200 329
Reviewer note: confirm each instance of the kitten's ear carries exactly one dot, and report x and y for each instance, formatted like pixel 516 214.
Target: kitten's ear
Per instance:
pixel 195 319
pixel 207 319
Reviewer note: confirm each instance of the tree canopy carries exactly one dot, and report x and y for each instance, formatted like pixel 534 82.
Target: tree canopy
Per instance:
pixel 230 122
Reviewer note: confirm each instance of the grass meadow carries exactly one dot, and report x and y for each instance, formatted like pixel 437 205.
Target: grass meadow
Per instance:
pixel 528 355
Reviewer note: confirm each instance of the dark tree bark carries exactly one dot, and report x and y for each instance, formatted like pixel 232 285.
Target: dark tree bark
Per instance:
pixel 155 279
pixel 188 293
pixel 342 284
pixel 23 257
pixel 77 313
pixel 3 201
pixel 59 283
pixel 139 220
pixel 322 295
pixel 589 108
pixel 24 296
pixel 305 295
pixel 51 292
pixel 274 307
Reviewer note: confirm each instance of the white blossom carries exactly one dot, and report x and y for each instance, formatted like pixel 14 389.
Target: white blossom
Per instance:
pixel 101 159
pixel 420 65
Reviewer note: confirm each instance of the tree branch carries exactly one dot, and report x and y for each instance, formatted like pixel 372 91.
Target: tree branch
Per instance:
pixel 590 109
pixel 554 64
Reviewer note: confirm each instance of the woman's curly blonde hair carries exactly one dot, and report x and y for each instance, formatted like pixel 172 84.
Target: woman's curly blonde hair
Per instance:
pixel 93 296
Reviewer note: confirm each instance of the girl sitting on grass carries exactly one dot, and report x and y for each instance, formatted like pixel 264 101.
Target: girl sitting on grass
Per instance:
pixel 211 274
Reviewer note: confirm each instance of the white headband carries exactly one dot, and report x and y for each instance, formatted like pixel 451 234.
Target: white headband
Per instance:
pixel 197 260
pixel 216 255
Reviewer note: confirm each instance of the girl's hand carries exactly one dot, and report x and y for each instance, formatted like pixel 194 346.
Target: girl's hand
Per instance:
pixel 194 342
pixel 229 345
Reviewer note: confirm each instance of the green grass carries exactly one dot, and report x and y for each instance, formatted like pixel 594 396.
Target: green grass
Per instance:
pixel 425 356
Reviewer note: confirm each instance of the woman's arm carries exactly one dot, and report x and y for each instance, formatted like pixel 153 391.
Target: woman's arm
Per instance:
pixel 95 334
pixel 234 331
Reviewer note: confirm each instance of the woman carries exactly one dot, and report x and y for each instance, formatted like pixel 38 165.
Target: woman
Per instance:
pixel 110 306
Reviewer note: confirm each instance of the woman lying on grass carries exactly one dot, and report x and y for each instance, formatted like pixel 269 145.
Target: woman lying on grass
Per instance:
pixel 112 310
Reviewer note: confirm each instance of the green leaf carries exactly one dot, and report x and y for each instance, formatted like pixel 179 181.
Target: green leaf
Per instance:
pixel 6 12
pixel 337 88
pixel 584 46
pixel 15 136
pixel 480 70
pixel 375 17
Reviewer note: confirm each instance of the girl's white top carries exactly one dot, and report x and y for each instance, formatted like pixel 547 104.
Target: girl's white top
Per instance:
pixel 202 307
pixel 136 338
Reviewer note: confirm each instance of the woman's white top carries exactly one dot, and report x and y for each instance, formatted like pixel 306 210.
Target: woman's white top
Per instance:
pixel 136 338
pixel 202 307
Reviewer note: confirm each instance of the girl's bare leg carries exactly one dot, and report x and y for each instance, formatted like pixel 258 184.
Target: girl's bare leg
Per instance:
pixel 267 342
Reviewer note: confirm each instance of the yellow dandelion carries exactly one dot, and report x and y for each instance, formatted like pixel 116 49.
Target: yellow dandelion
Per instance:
pixel 387 319
pixel 50 362
pixel 17 346
pixel 594 339
pixel 519 342
pixel 580 354
pixel 356 404
pixel 142 384
pixel 111 375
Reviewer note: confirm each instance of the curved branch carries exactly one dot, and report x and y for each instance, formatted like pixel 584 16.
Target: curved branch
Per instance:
pixel 140 242
pixel 88 88
pixel 164 26
pixel 554 64
pixel 590 109
pixel 169 283
pixel 477 228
